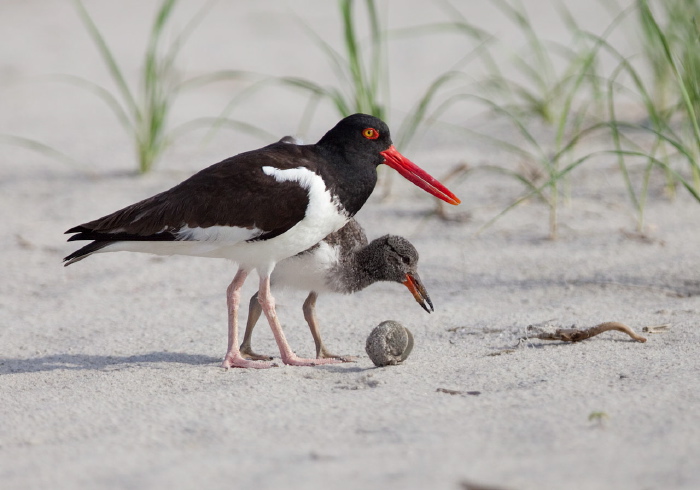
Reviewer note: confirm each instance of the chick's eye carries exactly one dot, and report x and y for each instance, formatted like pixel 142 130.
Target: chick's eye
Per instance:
pixel 370 133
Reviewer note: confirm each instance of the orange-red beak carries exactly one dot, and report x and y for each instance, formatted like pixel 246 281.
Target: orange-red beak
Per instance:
pixel 414 284
pixel 417 175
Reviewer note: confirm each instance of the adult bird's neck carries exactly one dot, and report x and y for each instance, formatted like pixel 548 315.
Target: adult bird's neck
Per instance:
pixel 349 179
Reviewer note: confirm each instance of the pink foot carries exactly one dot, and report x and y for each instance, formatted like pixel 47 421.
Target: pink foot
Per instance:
pixel 293 360
pixel 324 354
pixel 340 358
pixel 236 360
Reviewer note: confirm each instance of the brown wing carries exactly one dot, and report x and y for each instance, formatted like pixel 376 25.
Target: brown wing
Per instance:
pixel 235 192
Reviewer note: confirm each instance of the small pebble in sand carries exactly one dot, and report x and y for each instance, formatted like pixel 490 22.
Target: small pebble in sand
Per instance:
pixel 389 343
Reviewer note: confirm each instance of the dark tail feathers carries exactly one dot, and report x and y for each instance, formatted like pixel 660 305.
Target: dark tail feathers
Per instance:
pixel 83 252
pixel 101 240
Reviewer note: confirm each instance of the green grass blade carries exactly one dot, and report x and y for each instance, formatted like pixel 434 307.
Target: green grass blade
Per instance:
pixel 537 190
pixel 241 96
pixel 227 123
pixel 106 96
pixel 504 145
pixel 217 76
pixel 532 188
pixel 615 131
pixel 494 107
pixel 38 146
pixel 352 50
pixel 334 95
pixel 433 28
pixel 336 60
pixel 518 16
pixel 682 180
pixel 107 57
pixel 377 44
pixel 679 81
pixel 515 120
pixel 415 117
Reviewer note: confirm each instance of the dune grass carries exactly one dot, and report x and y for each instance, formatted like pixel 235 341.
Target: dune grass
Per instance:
pixel 548 108
pixel 362 71
pixel 577 101
pixel 669 43
pixel 144 109
pixel 670 99
pixel 680 46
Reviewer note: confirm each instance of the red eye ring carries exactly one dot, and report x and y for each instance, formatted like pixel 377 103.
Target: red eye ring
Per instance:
pixel 370 133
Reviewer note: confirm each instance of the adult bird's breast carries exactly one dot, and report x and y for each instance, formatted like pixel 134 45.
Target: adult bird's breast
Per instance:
pixel 324 212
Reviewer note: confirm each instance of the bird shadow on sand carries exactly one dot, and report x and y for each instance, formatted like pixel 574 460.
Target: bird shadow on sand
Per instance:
pixel 345 368
pixel 100 363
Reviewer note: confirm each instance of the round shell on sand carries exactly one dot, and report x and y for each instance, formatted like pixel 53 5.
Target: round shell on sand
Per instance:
pixel 389 343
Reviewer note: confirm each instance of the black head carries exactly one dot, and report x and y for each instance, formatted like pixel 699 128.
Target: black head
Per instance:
pixel 359 136
pixel 364 142
pixel 396 259
pixel 395 256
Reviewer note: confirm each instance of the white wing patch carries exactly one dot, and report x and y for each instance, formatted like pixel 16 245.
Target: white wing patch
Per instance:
pixel 223 234
pixel 303 176
pixel 319 196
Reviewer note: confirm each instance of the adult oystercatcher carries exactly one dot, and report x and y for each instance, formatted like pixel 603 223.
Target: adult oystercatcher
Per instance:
pixel 343 262
pixel 258 208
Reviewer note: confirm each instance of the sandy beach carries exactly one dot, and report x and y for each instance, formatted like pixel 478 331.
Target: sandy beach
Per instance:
pixel 109 369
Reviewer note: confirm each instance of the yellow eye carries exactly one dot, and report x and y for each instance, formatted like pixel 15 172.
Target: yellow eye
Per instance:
pixel 370 133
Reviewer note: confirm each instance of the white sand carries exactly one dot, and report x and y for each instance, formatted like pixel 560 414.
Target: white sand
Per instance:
pixel 109 369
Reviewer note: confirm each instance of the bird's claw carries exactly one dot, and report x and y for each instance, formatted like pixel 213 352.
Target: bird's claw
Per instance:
pixel 238 361
pixel 299 361
pixel 327 355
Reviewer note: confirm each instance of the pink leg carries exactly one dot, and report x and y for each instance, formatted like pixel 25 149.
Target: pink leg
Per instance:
pixel 268 306
pixel 233 299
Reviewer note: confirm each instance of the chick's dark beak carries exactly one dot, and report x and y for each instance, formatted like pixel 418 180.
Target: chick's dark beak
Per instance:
pixel 414 284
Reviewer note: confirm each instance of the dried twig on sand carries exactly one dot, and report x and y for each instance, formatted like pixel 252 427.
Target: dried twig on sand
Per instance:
pixel 657 328
pixel 577 335
pixel 457 392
